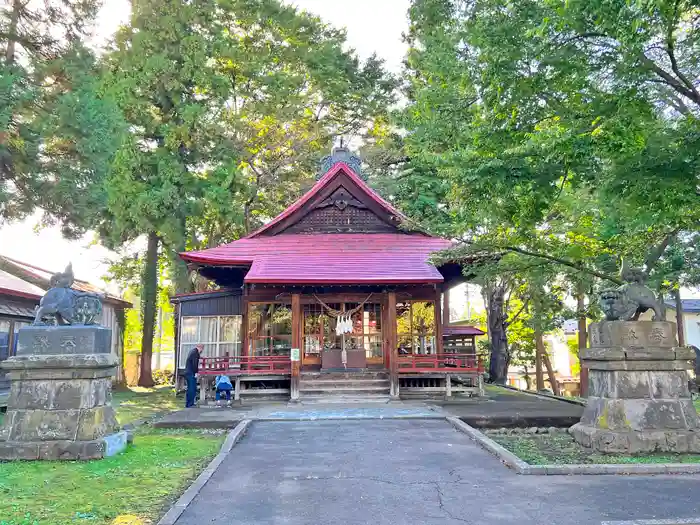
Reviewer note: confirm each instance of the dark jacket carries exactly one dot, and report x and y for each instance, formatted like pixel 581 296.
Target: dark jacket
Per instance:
pixel 192 366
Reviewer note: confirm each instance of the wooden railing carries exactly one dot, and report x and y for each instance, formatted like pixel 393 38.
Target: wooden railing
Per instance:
pixel 445 362
pixel 245 365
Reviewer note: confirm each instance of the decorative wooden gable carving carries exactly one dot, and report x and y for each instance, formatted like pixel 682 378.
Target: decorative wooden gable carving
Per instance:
pixel 341 213
pixel 344 204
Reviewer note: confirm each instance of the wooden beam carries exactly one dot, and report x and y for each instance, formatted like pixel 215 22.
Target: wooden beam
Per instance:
pixel 296 345
pixel 392 345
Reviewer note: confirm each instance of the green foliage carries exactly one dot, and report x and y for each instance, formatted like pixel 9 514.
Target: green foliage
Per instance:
pixel 58 134
pixel 572 344
pixel 552 124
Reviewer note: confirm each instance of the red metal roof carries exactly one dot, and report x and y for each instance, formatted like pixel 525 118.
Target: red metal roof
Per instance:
pixel 34 273
pixel 461 330
pixel 331 258
pixel 11 285
pixel 337 169
pixel 336 258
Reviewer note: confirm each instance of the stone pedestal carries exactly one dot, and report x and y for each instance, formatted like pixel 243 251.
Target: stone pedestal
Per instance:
pixel 638 390
pixel 60 394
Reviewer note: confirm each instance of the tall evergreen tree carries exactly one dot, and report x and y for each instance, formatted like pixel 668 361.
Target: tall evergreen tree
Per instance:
pixel 229 105
pixel 57 133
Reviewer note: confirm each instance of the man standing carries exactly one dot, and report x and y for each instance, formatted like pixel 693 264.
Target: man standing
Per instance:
pixel 191 369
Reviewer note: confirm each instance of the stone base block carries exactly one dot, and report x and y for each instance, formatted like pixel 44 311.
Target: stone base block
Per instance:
pixel 37 340
pixel 55 425
pixel 63 449
pixel 636 442
pixel 640 414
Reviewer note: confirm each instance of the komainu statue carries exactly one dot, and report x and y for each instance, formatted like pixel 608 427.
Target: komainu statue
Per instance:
pixel 630 300
pixel 68 306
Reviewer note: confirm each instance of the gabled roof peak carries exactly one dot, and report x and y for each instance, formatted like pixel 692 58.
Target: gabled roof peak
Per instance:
pixel 344 155
pixel 340 174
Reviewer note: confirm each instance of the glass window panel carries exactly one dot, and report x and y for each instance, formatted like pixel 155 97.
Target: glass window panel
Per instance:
pixel 312 345
pixel 423 318
pixel 282 320
pixel 230 329
pixel 4 339
pixel 230 349
pixel 208 329
pixel 373 346
pixel 405 344
pixel 403 318
pixel 353 342
pixel 188 329
pixel 256 319
pixel 209 350
pixel 423 345
pixel 373 313
pixel 18 326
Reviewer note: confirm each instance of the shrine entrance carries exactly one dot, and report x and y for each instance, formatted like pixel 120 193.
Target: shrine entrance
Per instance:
pixel 341 336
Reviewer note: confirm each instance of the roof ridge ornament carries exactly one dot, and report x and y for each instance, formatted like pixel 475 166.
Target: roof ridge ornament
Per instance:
pixel 341 154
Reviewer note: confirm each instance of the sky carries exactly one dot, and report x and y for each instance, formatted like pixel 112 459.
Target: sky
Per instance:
pixel 373 26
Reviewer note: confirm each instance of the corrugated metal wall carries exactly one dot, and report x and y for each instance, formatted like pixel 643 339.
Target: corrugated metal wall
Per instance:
pixel 223 305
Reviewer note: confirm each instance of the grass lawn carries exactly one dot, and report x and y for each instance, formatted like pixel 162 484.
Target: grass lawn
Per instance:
pixel 133 488
pixel 560 448
pixel 136 403
pixel 697 405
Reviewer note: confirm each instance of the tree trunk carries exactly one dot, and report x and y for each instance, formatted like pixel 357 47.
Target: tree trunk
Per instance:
pixel 680 321
pixel 12 33
pixel 582 339
pixel 149 304
pixel 550 372
pixel 539 350
pixel 494 296
pixel 527 378
pixel 662 303
pixel 179 273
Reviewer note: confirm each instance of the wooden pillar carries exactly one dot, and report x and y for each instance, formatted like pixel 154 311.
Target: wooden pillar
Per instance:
pixel 446 306
pixel 392 345
pixel 296 346
pixel 245 344
pixel 237 391
pixel 438 324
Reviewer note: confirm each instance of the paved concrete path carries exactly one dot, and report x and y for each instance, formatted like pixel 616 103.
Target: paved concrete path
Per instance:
pixel 396 472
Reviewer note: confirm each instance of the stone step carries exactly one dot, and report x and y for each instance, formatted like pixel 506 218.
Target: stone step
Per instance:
pixel 328 383
pixel 345 390
pixel 344 375
pixel 328 400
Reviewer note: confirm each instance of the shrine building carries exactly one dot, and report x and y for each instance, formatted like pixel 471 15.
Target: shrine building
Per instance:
pixel 335 297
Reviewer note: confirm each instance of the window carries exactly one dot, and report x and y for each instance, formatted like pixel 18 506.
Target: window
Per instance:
pixel 15 331
pixel 219 335
pixel 366 330
pixel 319 330
pixel 415 327
pixel 270 329
pixel 4 339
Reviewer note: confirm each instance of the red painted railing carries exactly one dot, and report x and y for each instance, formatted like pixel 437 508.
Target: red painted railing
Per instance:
pixel 446 362
pixel 245 365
